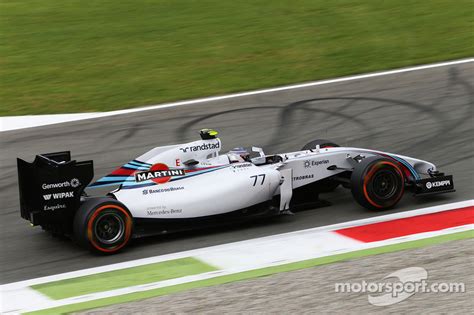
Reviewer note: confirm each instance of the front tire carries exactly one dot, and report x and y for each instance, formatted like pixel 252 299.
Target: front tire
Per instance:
pixel 377 183
pixel 103 225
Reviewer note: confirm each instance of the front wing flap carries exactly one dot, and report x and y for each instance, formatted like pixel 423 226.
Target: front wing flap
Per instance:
pixel 434 185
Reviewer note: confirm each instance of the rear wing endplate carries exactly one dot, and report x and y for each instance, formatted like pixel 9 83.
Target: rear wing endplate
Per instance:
pixel 51 187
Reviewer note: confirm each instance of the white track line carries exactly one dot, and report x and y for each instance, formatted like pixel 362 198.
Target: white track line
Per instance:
pixel 198 252
pixel 14 123
pixel 312 247
pixel 45 304
pixel 229 259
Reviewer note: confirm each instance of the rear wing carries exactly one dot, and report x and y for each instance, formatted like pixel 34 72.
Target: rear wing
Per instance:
pixel 51 189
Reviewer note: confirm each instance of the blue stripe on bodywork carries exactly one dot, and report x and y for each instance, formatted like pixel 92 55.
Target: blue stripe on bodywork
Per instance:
pixel 139 163
pixel 407 165
pixel 136 167
pixel 115 178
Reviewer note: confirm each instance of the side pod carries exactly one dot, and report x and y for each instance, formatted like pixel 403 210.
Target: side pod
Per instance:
pixel 51 189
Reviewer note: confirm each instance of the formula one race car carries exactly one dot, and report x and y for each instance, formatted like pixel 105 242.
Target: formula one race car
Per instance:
pixel 187 186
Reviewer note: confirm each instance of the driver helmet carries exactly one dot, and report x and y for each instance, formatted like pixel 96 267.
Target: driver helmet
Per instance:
pixel 239 155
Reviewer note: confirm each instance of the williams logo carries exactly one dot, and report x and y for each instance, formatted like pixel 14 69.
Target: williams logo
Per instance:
pixel 159 173
pixel 202 147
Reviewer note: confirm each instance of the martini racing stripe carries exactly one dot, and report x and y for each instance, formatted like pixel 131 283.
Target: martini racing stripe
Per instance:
pixel 139 163
pixel 135 167
pixel 122 174
pixel 119 176
pixel 134 185
pixel 123 171
pixel 406 165
pixel 109 181
pixel 189 173
pixel 115 177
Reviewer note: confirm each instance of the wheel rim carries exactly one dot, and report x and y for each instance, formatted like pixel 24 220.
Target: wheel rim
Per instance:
pixel 384 184
pixel 109 228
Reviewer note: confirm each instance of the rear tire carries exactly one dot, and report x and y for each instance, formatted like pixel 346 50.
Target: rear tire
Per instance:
pixel 377 183
pixel 326 185
pixel 103 225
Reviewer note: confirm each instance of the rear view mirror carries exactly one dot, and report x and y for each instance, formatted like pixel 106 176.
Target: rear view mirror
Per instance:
pixel 259 151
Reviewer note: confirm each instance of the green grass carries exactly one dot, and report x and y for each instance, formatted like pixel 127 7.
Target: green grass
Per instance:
pixel 255 273
pixel 70 56
pixel 123 278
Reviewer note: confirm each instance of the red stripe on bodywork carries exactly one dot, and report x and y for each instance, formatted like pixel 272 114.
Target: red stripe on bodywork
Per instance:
pixel 125 171
pixel 413 225
pixel 122 171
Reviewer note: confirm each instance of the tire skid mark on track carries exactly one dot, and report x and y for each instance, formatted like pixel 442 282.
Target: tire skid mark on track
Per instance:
pixel 422 114
pixel 189 126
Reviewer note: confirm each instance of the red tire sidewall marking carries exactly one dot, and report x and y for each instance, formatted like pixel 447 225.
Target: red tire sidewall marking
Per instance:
pixel 128 228
pixel 372 171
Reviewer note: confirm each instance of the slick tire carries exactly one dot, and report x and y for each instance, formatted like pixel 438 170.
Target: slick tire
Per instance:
pixel 103 225
pixel 377 183
pixel 326 185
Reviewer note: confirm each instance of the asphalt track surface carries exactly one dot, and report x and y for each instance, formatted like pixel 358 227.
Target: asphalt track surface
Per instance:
pixel 427 114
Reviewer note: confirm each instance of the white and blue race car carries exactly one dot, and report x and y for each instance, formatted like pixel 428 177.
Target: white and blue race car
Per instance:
pixel 188 186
